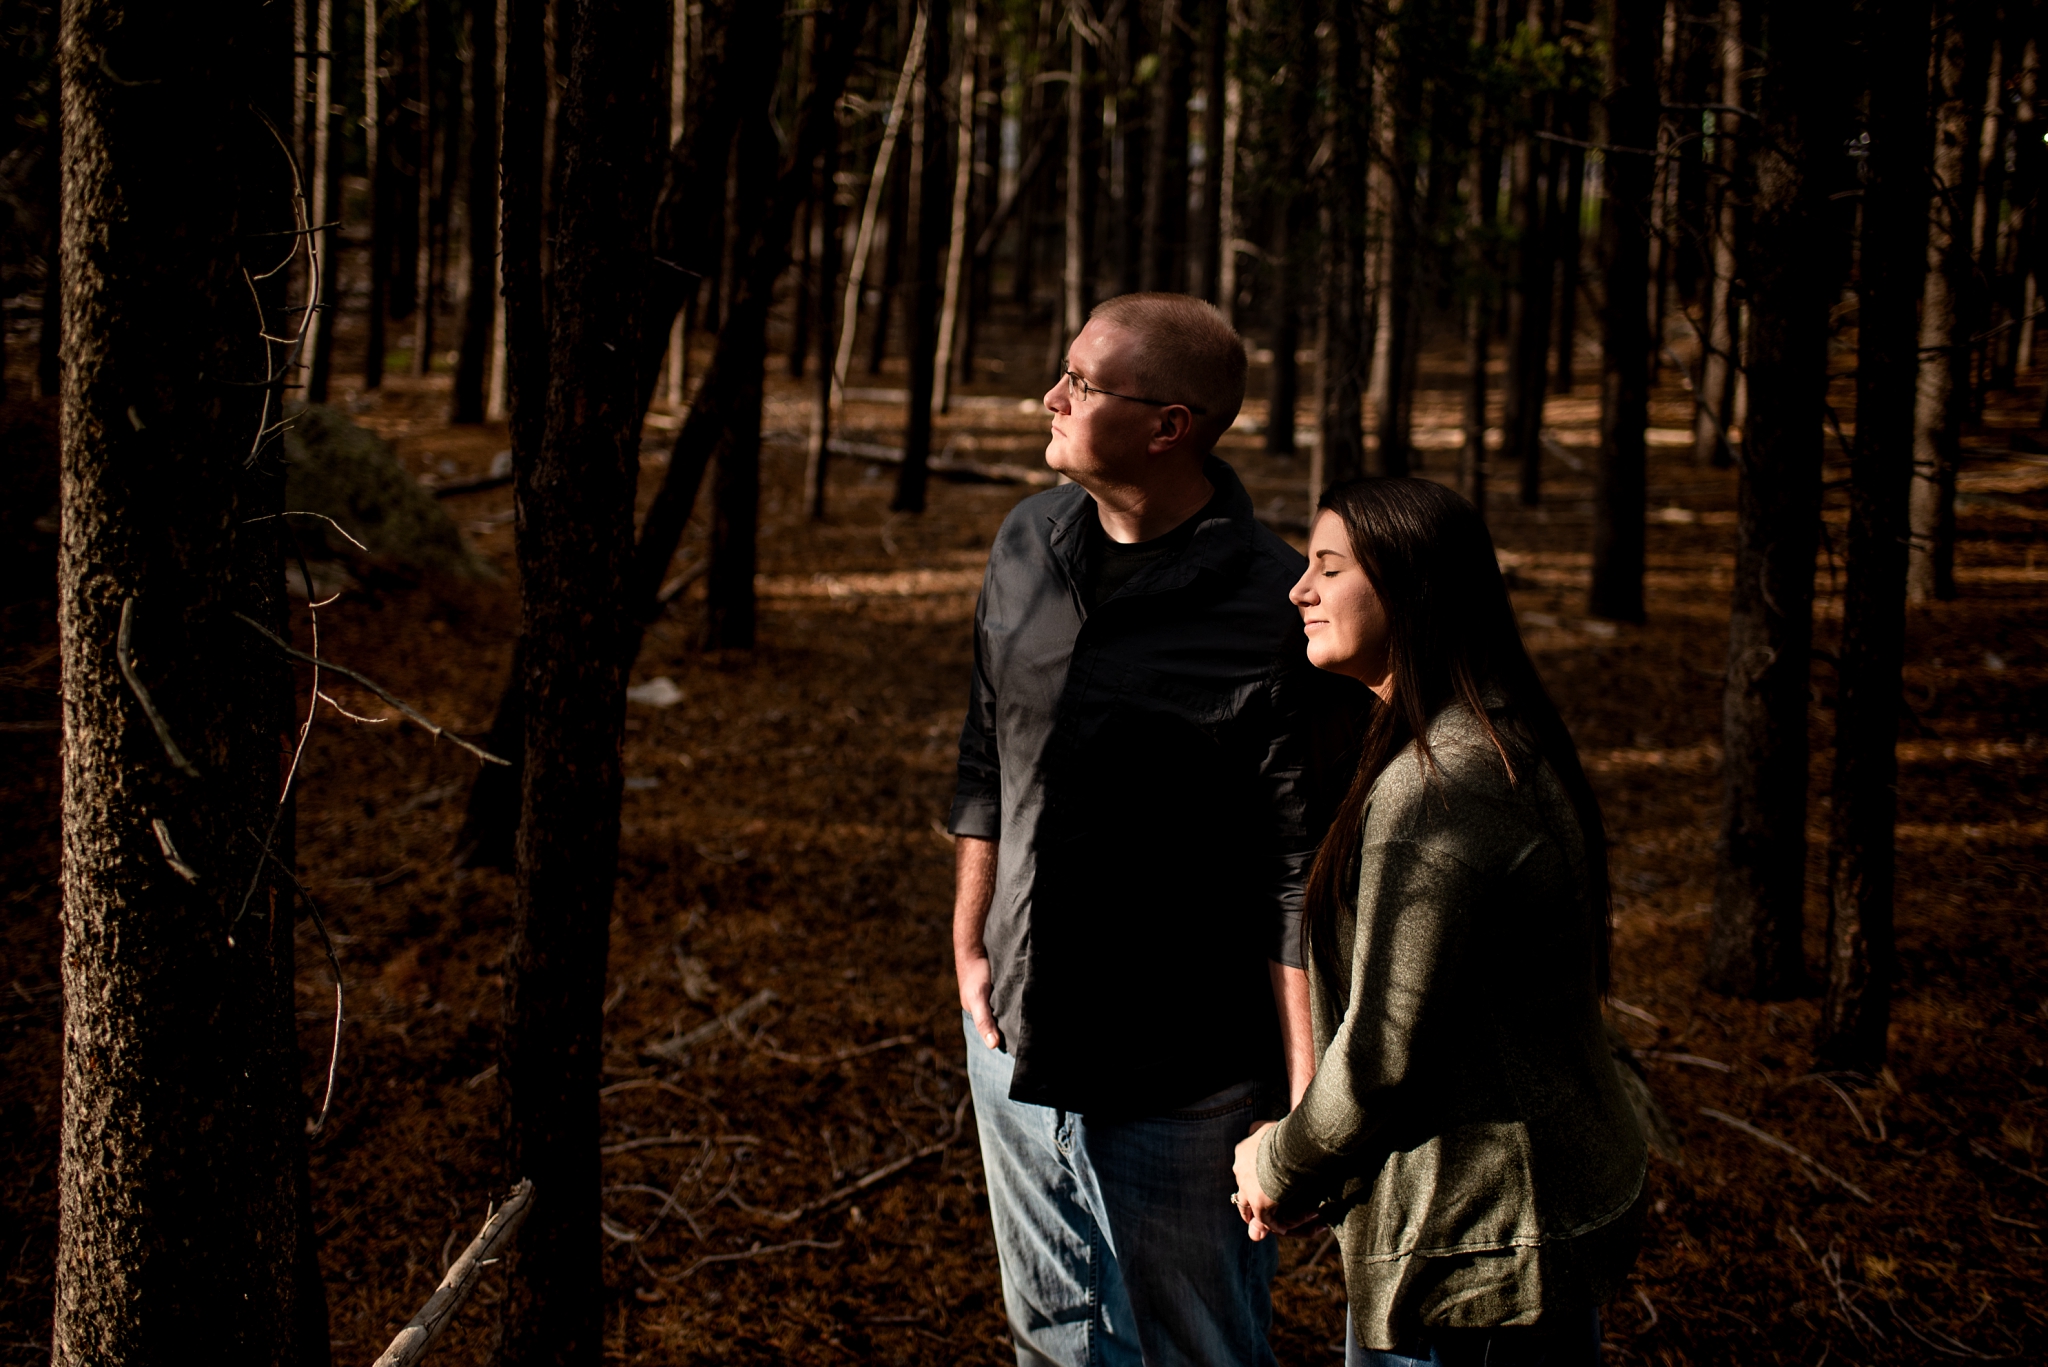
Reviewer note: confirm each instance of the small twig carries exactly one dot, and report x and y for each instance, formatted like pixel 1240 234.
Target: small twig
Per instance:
pixel 669 1141
pixel 411 714
pixel 156 718
pixel 1645 1299
pixel 821 1060
pixel 345 712
pixel 881 1174
pixel 1772 1141
pixel 1983 1150
pixel 757 1251
pixel 1955 1348
pixel 676 1047
pixel 1878 1135
pixel 1830 1268
pixel 1694 1060
pixel 163 840
pixel 314 1125
pixel 301 512
pixel 411 1343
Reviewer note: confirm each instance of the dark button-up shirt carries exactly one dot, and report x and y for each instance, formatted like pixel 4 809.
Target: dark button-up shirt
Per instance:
pixel 1142 767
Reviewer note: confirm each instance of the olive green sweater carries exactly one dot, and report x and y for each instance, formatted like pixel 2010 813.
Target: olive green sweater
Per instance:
pixel 1466 1133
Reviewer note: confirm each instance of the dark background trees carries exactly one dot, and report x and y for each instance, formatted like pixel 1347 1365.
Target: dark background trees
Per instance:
pixel 1428 219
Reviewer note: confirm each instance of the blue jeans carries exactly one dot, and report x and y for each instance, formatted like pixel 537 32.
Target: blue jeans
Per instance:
pixel 1574 1341
pixel 1118 1241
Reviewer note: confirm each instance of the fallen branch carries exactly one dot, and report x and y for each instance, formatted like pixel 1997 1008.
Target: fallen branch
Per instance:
pixel 669 1141
pixel 411 713
pixel 675 1048
pixel 757 1251
pixel 1772 1141
pixel 1983 1150
pixel 823 1060
pixel 411 1343
pixel 879 1175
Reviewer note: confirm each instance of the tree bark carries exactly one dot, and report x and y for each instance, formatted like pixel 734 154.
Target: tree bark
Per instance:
pixel 1404 241
pixel 575 546
pixel 1944 383
pixel 1634 37
pixel 1166 166
pixel 324 190
pixel 1483 192
pixel 1793 270
pixel 956 236
pixel 480 309
pixel 1856 1012
pixel 375 168
pixel 1529 296
pixel 1340 441
pixel 933 208
pixel 817 459
pixel 181 1166
pixel 1715 393
pixel 1205 237
pixel 423 234
pixel 1569 250
pixel 1291 225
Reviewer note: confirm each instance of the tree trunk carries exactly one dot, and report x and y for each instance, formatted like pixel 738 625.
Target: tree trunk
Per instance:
pixel 1856 1012
pixel 933 208
pixel 1634 36
pixel 1291 226
pixel 1569 248
pixel 1484 172
pixel 1340 441
pixel 1529 298
pixel 1073 307
pixel 375 158
pixel 1793 271
pixel 1166 166
pixel 480 310
pixel 956 236
pixel 1715 393
pixel 1226 181
pixel 736 485
pixel 1404 242
pixel 324 190
pixel 1944 385
pixel 492 818
pixel 423 233
pixel 817 458
pixel 181 1167
pixel 575 546
pixel 1205 235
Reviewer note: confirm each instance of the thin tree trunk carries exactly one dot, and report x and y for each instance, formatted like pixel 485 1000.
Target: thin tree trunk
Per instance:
pixel 956 239
pixel 374 166
pixel 1856 1012
pixel 1569 249
pixel 1165 174
pixel 1529 297
pixel 1291 224
pixel 863 246
pixel 575 546
pixel 830 350
pixel 480 310
pixel 678 356
pixel 1634 35
pixel 1715 393
pixel 1226 180
pixel 1340 439
pixel 1793 270
pixel 181 1164
pixel 1205 236
pixel 1404 247
pixel 1480 207
pixel 808 289
pixel 933 207
pixel 423 245
pixel 1944 386
pixel 324 187
pixel 736 483
pixel 1073 307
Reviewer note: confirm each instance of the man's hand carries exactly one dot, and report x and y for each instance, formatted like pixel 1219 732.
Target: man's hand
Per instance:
pixel 974 889
pixel 1251 1200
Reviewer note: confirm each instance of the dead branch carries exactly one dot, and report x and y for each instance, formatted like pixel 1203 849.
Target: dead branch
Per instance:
pixel 668 1141
pixel 1770 1140
pixel 1831 1268
pixel 879 1175
pixel 314 1125
pixel 1983 1150
pixel 163 841
pixel 675 1048
pixel 820 1060
pixel 757 1251
pixel 156 718
pixel 412 1341
pixel 411 713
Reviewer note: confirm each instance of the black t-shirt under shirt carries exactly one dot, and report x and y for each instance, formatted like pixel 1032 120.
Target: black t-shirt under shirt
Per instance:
pixel 1113 564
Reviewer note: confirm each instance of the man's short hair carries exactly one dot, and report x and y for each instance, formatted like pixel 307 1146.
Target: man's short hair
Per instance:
pixel 1186 353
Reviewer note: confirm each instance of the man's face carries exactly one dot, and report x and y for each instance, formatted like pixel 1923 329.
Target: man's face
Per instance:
pixel 1103 439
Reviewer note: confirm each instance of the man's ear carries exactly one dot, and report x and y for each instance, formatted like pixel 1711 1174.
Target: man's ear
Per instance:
pixel 1175 422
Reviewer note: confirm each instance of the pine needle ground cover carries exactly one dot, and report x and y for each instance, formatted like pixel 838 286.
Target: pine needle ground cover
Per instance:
pixel 780 1022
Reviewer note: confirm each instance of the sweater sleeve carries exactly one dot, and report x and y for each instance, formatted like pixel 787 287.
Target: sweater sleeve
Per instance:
pixel 1415 908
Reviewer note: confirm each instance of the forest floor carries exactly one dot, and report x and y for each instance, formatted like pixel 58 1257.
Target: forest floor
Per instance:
pixel 782 834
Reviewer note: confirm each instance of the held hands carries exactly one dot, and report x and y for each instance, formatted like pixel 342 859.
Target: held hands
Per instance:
pixel 1250 1198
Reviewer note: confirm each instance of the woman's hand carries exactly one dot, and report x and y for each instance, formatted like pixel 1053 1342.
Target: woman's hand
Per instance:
pixel 1251 1200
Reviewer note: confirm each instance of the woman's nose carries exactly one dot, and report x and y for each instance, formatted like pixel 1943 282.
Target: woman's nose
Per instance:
pixel 1303 594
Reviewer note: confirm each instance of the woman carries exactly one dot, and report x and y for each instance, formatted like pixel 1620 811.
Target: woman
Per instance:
pixel 1465 1133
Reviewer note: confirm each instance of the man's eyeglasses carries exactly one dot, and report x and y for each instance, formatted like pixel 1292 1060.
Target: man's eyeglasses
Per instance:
pixel 1082 391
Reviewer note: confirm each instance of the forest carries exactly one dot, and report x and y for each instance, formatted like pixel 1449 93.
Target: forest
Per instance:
pixel 495 495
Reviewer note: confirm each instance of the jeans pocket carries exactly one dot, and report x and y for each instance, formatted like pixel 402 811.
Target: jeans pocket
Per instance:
pixel 1242 1096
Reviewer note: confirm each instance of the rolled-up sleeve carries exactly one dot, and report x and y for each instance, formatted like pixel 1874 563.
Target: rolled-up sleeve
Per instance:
pixel 1284 797
pixel 978 792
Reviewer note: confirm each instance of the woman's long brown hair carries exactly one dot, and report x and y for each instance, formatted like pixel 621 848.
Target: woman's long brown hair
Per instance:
pixel 1451 636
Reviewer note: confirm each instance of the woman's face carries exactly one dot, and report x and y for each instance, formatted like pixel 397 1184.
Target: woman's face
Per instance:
pixel 1341 615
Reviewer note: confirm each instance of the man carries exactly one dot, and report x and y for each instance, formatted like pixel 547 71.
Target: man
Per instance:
pixel 1132 844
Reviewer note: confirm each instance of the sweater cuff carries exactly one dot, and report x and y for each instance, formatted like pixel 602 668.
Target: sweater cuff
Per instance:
pixel 1289 1186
